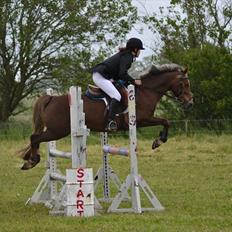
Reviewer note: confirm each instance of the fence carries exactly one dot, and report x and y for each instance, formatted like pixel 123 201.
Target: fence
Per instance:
pixel 14 130
pixel 214 126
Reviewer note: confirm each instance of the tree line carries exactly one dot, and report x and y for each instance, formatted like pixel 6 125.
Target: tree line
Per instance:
pixel 47 43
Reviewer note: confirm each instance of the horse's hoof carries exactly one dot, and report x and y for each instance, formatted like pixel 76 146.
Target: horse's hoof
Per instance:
pixel 156 143
pixel 25 166
pixel 31 163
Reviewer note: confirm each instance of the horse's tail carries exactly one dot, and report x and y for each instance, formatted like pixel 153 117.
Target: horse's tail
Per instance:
pixel 38 124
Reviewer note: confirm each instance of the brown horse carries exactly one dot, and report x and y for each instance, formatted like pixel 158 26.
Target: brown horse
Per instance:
pixel 52 119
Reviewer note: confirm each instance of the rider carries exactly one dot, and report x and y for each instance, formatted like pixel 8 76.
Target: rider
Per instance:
pixel 113 69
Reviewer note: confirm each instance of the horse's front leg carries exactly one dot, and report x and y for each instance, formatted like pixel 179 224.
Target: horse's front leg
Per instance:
pixel 162 139
pixel 163 135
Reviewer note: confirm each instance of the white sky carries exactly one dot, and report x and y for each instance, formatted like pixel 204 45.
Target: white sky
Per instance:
pixel 146 7
pixel 150 40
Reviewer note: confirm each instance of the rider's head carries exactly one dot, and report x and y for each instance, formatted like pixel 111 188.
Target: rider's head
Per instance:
pixel 135 45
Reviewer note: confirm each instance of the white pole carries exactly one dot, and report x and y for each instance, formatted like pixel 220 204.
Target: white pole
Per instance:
pixel 52 160
pixel 136 203
pixel 78 128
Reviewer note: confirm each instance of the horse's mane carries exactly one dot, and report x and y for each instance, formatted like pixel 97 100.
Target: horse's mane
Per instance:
pixel 166 68
pixel 158 69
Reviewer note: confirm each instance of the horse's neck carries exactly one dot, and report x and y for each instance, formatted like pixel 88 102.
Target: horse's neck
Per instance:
pixel 147 97
pixel 167 80
pixel 153 88
pixel 160 83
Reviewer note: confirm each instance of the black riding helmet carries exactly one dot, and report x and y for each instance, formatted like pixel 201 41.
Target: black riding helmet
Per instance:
pixel 134 43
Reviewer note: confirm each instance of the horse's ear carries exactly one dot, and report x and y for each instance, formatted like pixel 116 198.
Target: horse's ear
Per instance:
pixel 185 70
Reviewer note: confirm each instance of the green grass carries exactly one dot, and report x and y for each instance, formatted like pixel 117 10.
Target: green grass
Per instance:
pixel 191 176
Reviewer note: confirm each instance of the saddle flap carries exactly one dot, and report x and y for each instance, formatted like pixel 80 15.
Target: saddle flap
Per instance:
pixel 124 94
pixel 95 93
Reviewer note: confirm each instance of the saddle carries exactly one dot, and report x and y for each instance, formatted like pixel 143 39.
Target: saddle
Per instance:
pixel 95 93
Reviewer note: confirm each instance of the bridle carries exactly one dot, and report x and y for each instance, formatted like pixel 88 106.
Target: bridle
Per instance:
pixel 181 92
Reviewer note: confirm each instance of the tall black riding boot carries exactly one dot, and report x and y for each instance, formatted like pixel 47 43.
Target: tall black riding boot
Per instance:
pixel 113 108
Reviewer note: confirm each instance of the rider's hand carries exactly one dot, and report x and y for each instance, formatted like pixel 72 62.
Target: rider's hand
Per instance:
pixel 138 82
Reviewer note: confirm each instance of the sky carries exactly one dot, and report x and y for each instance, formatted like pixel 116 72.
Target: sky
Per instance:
pixel 146 7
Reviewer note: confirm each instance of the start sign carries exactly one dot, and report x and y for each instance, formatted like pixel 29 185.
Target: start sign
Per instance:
pixel 80 192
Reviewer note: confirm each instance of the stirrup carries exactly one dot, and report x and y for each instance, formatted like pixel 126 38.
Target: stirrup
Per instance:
pixel 112 126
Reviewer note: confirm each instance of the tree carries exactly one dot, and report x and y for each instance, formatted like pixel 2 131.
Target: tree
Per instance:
pixel 211 81
pixel 191 24
pixel 200 37
pixel 34 33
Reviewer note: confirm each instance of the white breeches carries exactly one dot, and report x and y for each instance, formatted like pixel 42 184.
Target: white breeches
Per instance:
pixel 106 86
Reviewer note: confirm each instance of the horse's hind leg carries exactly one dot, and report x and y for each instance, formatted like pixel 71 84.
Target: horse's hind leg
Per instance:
pixel 32 158
pixel 36 139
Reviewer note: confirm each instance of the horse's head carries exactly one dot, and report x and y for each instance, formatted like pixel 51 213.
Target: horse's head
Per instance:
pixel 169 77
pixel 181 89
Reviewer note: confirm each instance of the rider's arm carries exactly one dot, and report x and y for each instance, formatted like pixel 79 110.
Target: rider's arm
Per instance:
pixel 125 64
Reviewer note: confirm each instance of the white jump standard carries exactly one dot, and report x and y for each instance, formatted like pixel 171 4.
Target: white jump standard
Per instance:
pixel 134 181
pixel 76 195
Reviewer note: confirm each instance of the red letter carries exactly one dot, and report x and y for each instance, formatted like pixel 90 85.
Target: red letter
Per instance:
pixel 80 181
pixel 80 193
pixel 80 213
pixel 80 173
pixel 80 204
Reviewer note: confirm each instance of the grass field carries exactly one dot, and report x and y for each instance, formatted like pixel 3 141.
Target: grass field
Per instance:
pixel 191 176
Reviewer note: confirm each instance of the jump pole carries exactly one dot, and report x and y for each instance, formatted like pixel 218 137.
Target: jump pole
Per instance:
pixel 134 181
pixel 106 174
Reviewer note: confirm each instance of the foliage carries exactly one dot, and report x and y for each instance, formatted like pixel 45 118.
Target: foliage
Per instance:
pixel 34 33
pixel 191 24
pixel 211 79
pixel 197 34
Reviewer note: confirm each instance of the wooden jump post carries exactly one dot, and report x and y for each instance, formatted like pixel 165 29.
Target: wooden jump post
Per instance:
pixel 76 184
pixel 134 181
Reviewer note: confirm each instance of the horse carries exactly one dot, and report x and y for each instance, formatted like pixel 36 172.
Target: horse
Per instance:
pixel 51 115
